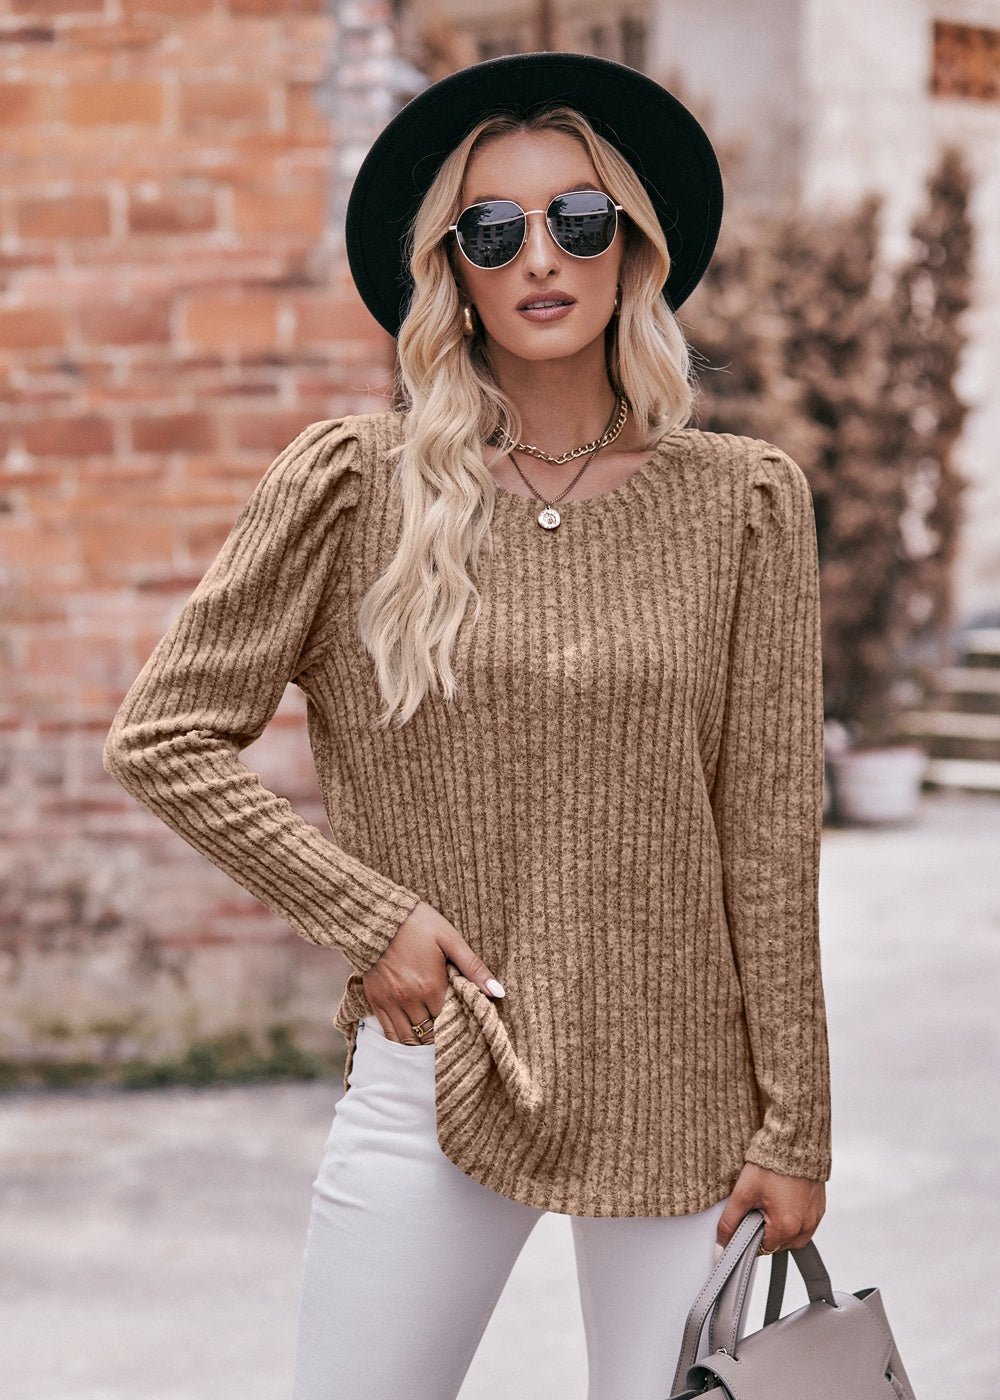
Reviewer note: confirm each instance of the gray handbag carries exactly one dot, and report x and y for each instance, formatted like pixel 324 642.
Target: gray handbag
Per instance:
pixel 838 1347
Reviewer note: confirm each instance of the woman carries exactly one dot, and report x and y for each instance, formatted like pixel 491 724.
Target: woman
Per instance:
pixel 561 657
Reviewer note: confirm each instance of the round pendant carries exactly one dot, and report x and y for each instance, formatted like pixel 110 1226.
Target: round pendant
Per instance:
pixel 549 518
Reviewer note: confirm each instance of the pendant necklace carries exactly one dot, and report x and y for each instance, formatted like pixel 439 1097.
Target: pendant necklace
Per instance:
pixel 549 518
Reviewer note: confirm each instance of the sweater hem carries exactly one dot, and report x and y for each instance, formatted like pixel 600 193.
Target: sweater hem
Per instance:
pixel 525 1190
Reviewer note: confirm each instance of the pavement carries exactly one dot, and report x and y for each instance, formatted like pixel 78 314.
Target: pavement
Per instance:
pixel 150 1243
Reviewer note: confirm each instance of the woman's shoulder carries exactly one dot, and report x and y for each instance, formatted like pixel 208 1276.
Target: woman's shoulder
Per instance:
pixel 730 450
pixel 770 482
pixel 337 458
pixel 350 443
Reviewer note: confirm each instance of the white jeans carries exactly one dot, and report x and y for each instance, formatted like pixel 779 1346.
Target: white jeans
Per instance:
pixel 406 1257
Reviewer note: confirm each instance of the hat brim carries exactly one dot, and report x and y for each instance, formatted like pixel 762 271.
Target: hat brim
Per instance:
pixel 657 135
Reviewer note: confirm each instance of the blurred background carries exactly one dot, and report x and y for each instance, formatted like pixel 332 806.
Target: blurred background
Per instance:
pixel 174 308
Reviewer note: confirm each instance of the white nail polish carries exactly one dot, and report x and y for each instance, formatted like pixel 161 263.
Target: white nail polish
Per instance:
pixel 494 988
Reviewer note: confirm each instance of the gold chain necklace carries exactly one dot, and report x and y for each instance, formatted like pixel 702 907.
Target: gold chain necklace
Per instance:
pixel 608 436
pixel 549 518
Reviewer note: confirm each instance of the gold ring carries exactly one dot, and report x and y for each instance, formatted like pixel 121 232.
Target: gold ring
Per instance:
pixel 766 1252
pixel 425 1025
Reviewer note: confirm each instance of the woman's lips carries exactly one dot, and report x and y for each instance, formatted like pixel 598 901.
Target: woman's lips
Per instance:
pixel 551 307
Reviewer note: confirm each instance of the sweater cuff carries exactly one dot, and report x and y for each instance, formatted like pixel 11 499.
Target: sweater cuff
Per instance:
pixel 373 923
pixel 810 1161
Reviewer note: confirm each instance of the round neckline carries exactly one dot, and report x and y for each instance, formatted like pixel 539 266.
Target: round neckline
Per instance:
pixel 624 488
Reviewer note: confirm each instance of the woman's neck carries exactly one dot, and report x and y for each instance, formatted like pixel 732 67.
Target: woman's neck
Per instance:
pixel 560 404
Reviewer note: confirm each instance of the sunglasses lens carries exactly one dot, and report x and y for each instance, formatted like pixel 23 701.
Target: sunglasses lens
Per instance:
pixel 583 222
pixel 491 234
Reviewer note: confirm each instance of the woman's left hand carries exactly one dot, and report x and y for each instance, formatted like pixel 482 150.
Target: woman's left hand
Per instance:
pixel 792 1206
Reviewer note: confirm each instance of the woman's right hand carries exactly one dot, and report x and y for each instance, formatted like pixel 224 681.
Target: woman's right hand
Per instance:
pixel 410 979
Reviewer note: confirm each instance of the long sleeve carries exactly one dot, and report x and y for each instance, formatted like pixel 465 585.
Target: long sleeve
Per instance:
pixel 767 806
pixel 214 682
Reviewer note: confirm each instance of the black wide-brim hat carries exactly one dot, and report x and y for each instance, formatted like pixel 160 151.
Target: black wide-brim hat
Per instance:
pixel 656 134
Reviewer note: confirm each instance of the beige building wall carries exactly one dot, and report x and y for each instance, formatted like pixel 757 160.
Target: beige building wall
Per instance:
pixel 974 126
pixel 739 66
pixel 824 101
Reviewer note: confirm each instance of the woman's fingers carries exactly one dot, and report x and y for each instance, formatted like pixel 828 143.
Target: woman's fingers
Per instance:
pixel 406 1023
pixel 736 1209
pixel 792 1207
pixel 412 976
pixel 471 965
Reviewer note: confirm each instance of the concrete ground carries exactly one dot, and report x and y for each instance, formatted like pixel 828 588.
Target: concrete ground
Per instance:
pixel 150 1243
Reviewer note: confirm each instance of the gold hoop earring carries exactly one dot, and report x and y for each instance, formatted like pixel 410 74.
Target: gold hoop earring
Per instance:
pixel 618 291
pixel 468 328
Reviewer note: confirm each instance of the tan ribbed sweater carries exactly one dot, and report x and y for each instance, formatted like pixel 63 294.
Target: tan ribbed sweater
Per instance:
pixel 620 812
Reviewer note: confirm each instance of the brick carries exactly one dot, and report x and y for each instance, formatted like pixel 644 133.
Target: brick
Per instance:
pixel 302 212
pixel 59 379
pixel 339 393
pixel 159 380
pixel 136 322
pixel 211 103
pixel 111 481
pixel 89 40
pixel 110 103
pixel 203 479
pixel 73 216
pixel 36 480
pixel 305 118
pixel 25 104
pixel 172 431
pixel 266 8
pixel 173 9
pixel 26 260
pixel 109 548
pixel 236 473
pixel 323 320
pixel 310 41
pixel 68 437
pixel 57 7
pixel 79 63
pixel 31 328
pixel 24 546
pixel 180 212
pixel 217 322
pixel 82 658
pixel 156 375
pixel 267 388
pixel 28 34
pixel 269 432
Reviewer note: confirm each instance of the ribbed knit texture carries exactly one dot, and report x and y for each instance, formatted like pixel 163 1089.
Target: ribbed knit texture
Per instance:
pixel 620 812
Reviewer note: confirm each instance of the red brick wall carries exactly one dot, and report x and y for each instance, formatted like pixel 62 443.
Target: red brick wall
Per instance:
pixel 172 310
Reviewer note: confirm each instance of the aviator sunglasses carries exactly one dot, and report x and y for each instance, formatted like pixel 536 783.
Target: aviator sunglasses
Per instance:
pixel 582 222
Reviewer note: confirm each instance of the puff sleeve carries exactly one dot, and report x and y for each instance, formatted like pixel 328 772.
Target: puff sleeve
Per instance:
pixel 767 799
pixel 214 682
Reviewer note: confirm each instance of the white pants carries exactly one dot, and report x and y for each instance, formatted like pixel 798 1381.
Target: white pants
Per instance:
pixel 406 1257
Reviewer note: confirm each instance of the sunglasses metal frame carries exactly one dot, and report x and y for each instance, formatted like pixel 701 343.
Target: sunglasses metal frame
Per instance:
pixel 525 213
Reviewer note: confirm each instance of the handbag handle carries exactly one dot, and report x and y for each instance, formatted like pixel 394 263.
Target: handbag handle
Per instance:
pixel 722 1301
pixel 814 1275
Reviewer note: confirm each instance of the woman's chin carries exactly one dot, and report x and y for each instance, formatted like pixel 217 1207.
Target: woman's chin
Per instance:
pixel 552 342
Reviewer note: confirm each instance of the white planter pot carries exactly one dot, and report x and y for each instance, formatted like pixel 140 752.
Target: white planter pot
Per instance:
pixel 872 786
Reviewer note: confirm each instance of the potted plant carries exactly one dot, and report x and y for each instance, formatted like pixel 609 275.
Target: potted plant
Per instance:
pixel 893 523
pixel 852 369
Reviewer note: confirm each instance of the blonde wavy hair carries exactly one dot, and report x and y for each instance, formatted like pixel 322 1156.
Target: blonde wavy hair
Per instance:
pixel 409 618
